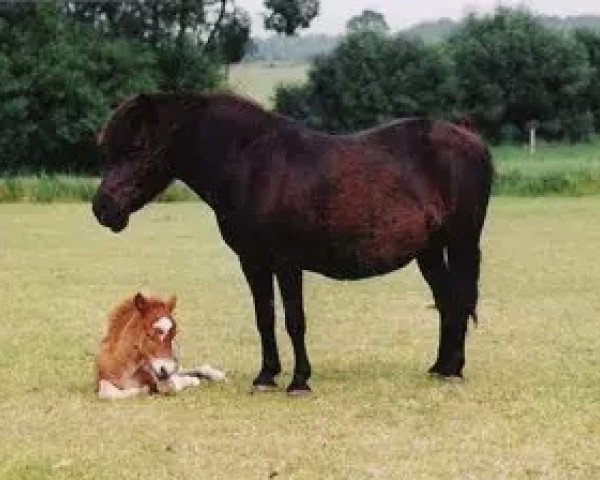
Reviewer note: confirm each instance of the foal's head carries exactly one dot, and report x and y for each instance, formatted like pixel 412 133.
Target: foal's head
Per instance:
pixel 151 333
pixel 137 166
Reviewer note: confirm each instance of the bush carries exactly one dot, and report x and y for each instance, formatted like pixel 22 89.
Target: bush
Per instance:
pixel 59 82
pixel 591 41
pixel 370 78
pixel 183 66
pixel 511 70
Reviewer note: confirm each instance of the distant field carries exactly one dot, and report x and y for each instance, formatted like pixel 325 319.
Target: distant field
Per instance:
pixel 529 408
pixel 259 80
pixel 554 169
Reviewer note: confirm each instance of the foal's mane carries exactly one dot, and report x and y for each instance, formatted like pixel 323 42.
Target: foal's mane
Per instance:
pixel 120 317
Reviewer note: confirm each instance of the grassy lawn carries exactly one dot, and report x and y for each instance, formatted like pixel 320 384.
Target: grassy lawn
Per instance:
pixel 529 408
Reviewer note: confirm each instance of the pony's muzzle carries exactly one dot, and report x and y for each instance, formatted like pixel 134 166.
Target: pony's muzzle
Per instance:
pixel 108 213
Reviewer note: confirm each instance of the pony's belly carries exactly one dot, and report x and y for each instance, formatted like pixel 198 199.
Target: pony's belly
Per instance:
pixel 343 260
pixel 350 269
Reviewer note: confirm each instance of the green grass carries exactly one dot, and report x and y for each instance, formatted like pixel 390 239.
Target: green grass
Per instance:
pixel 51 188
pixel 529 407
pixel 554 169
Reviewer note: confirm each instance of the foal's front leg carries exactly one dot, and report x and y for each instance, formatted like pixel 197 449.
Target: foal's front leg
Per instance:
pixel 260 280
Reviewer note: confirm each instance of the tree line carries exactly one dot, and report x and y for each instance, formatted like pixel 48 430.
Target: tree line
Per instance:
pixel 65 64
pixel 502 73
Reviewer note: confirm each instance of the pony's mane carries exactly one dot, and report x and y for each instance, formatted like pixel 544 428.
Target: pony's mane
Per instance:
pixel 222 98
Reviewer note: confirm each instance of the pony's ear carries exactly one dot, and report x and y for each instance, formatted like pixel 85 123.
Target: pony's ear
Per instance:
pixel 171 303
pixel 149 111
pixel 145 121
pixel 140 302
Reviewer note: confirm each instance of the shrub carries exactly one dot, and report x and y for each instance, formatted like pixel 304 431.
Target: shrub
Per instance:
pixel 511 70
pixel 370 78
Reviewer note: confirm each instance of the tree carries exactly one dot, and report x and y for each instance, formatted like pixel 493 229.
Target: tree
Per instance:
pixel 287 16
pixel 371 78
pixel 368 20
pixel 152 22
pixel 512 70
pixel 233 36
pixel 58 81
pixel 591 41
pixel 179 32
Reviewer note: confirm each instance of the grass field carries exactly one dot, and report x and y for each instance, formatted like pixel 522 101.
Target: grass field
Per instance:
pixel 529 408
pixel 258 80
pixel 567 170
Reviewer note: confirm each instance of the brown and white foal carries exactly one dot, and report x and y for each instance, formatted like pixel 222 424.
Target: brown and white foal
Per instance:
pixel 138 353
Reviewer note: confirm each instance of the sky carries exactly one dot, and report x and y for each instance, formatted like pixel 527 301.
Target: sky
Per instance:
pixel 403 13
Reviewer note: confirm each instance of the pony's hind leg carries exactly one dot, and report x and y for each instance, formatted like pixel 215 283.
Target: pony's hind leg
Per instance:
pixel 463 269
pixel 434 269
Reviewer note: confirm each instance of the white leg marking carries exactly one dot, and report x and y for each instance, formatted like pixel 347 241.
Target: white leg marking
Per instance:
pixel 107 391
pixel 184 381
pixel 211 373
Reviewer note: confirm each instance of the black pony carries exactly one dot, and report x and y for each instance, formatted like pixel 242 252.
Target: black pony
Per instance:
pixel 289 199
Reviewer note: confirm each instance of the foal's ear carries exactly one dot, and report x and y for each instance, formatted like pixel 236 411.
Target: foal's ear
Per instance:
pixel 171 303
pixel 140 302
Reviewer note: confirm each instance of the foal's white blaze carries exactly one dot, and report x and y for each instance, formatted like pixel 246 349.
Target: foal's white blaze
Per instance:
pixel 164 324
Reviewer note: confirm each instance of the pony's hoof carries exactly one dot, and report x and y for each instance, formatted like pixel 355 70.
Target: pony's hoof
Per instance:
pixel 447 369
pixel 298 390
pixel 445 378
pixel 263 387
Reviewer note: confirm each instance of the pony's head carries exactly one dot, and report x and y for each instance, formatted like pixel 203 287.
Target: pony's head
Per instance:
pixel 151 332
pixel 135 143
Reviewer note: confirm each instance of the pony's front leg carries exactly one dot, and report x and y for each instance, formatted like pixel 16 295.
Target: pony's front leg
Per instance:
pixel 108 391
pixel 260 281
pixel 290 285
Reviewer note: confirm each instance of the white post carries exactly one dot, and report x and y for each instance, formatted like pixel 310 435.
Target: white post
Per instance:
pixel 532 140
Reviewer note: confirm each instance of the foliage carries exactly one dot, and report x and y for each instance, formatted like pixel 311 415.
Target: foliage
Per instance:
pixel 58 83
pixel 153 22
pixel 502 72
pixel 176 32
pixel 182 69
pixel 591 41
pixel 370 78
pixel 440 30
pixel 234 34
pixel 368 20
pixel 287 16
pixel 513 70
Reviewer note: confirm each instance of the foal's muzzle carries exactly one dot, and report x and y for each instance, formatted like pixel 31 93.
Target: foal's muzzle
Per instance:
pixel 108 213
